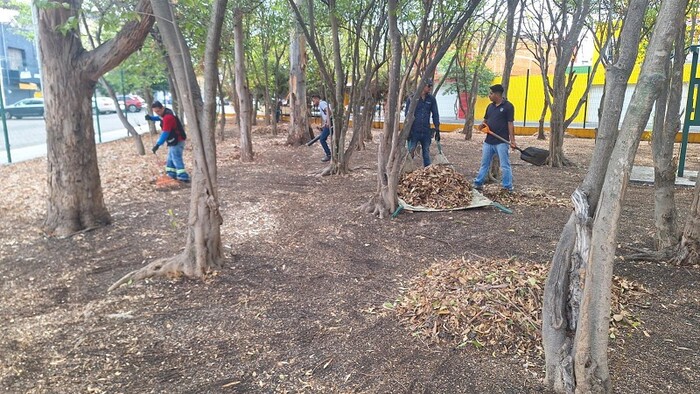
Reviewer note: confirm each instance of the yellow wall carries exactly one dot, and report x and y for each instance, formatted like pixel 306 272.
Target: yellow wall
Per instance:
pixel 534 94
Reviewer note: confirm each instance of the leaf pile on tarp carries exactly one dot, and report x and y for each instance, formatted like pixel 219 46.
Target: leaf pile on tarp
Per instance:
pixel 435 186
pixel 494 304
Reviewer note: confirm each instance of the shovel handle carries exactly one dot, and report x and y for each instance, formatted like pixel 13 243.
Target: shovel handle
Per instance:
pixel 488 131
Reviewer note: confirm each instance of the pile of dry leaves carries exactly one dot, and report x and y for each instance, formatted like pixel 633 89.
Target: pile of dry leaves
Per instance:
pixel 436 186
pixel 494 304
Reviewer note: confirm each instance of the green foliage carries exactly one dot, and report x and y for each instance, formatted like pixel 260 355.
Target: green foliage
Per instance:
pixel 144 68
pixel 484 75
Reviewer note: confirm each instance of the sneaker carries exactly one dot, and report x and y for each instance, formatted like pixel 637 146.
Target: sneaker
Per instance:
pixel 327 158
pixel 479 188
pixel 506 190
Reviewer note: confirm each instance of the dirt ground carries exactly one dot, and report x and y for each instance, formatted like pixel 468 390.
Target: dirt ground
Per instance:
pixel 298 305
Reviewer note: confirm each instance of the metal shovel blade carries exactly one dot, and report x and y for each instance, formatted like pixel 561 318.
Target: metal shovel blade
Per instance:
pixel 534 155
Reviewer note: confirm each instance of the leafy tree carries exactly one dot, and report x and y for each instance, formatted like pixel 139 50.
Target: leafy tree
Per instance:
pixel 75 201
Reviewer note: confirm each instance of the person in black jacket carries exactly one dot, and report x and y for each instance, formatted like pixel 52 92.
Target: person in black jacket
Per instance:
pixel 420 130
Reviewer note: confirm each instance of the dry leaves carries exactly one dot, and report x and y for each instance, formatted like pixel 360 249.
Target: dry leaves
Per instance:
pixel 527 197
pixel 436 186
pixel 494 304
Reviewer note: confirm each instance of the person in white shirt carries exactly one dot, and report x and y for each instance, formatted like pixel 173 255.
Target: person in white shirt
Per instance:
pixel 325 124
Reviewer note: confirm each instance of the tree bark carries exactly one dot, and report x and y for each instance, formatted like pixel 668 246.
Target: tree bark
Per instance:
pixel 563 289
pixel 666 125
pixel 511 41
pixel 203 250
pixel 242 88
pixel 75 201
pixel 689 247
pixel 299 122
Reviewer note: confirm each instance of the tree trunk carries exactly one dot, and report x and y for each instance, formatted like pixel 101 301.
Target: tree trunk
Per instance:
pixel 689 247
pixel 540 129
pixel 299 131
pixel 392 148
pixel 148 93
pixel 203 249
pixel 561 314
pixel 75 201
pixel 138 142
pixel 666 124
pixel 556 123
pixel 511 41
pixel 563 289
pixel 242 87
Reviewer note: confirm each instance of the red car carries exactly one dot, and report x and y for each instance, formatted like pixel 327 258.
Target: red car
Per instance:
pixel 130 103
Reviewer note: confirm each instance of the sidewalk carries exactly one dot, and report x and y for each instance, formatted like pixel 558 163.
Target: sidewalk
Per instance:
pixel 34 151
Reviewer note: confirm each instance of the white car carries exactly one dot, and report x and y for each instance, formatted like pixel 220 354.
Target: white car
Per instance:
pixel 105 105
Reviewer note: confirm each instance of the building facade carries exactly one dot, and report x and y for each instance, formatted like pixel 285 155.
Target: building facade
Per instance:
pixel 19 65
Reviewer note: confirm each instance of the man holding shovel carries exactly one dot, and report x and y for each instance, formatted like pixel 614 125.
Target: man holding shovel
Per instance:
pixel 499 117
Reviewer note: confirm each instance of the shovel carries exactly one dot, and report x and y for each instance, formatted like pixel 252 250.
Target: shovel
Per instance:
pixel 531 155
pixel 440 158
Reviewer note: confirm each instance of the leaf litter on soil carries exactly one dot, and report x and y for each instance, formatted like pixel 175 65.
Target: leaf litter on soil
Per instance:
pixel 492 303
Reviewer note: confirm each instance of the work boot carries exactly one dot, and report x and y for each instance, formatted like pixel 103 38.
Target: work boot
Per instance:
pixel 326 158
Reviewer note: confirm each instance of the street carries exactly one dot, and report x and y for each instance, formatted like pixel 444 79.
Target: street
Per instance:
pixel 31 131
pixel 28 135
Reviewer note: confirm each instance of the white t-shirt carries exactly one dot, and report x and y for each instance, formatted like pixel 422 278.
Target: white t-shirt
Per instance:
pixel 325 109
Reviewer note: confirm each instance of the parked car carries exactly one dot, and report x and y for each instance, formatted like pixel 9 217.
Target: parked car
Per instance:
pixel 25 107
pixel 130 102
pixel 105 105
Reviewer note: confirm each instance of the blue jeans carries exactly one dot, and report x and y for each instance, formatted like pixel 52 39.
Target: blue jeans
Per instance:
pixel 325 132
pixel 424 139
pixel 502 150
pixel 175 166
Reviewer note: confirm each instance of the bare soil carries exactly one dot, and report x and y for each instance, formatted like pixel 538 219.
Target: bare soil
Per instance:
pixel 298 307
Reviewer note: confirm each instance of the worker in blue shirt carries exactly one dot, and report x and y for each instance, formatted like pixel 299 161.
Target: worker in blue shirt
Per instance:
pixel 420 130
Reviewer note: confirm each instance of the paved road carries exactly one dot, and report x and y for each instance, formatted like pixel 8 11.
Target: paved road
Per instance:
pixel 27 136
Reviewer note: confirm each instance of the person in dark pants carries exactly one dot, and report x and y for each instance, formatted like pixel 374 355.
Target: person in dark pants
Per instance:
pixel 420 130
pixel 499 117
pixel 325 124
pixel 278 112
pixel 173 134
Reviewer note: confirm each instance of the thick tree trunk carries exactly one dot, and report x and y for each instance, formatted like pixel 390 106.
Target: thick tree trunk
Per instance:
pixel 299 131
pixel 242 87
pixel 563 289
pixel 666 124
pixel 203 249
pixel 689 248
pixel 75 201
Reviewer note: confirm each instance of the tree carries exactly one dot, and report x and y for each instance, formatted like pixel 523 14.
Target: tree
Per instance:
pixel 557 31
pixel 392 148
pixel 203 246
pixel 299 131
pixel 242 89
pixel 75 200
pixel 515 11
pixel 576 312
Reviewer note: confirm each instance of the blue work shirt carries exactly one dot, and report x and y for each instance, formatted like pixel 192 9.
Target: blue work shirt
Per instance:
pixel 425 106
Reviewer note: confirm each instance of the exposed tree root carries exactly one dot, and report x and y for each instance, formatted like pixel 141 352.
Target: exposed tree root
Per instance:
pixel 657 256
pixel 171 267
